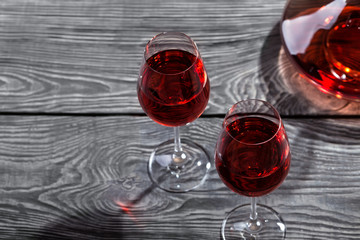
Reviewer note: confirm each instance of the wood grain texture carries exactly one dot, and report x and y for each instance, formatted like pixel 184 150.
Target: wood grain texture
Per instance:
pixel 83 56
pixel 86 178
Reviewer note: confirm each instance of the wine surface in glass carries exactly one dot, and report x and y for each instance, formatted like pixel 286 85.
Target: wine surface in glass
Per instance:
pixel 324 43
pixel 174 88
pixel 247 161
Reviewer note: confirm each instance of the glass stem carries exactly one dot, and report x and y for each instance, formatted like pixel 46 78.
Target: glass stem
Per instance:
pixel 179 157
pixel 177 141
pixel 254 225
pixel 253 213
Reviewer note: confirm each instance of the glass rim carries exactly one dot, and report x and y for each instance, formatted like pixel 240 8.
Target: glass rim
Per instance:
pixel 172 32
pixel 276 114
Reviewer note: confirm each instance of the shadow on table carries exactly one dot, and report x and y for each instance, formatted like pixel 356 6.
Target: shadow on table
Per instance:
pixel 85 225
pixel 284 84
pixel 109 218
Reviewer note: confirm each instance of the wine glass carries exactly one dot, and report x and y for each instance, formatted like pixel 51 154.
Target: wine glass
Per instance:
pixel 173 90
pixel 252 158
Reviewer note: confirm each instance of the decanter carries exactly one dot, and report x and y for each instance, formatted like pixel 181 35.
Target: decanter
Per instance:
pixel 322 38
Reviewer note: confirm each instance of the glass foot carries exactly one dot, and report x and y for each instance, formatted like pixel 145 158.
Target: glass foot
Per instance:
pixel 180 171
pixel 238 226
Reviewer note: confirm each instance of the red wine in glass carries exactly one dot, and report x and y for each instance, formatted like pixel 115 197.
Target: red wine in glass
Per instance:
pixel 252 158
pixel 170 98
pixel 173 90
pixel 237 167
pixel 321 37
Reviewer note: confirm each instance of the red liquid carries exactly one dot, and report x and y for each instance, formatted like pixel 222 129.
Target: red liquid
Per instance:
pixel 173 90
pixel 322 37
pixel 246 161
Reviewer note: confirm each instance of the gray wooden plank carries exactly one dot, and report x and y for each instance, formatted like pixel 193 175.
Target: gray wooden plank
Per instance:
pixel 86 178
pixel 83 56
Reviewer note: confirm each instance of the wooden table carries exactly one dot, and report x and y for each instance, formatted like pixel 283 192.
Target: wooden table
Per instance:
pixel 74 141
